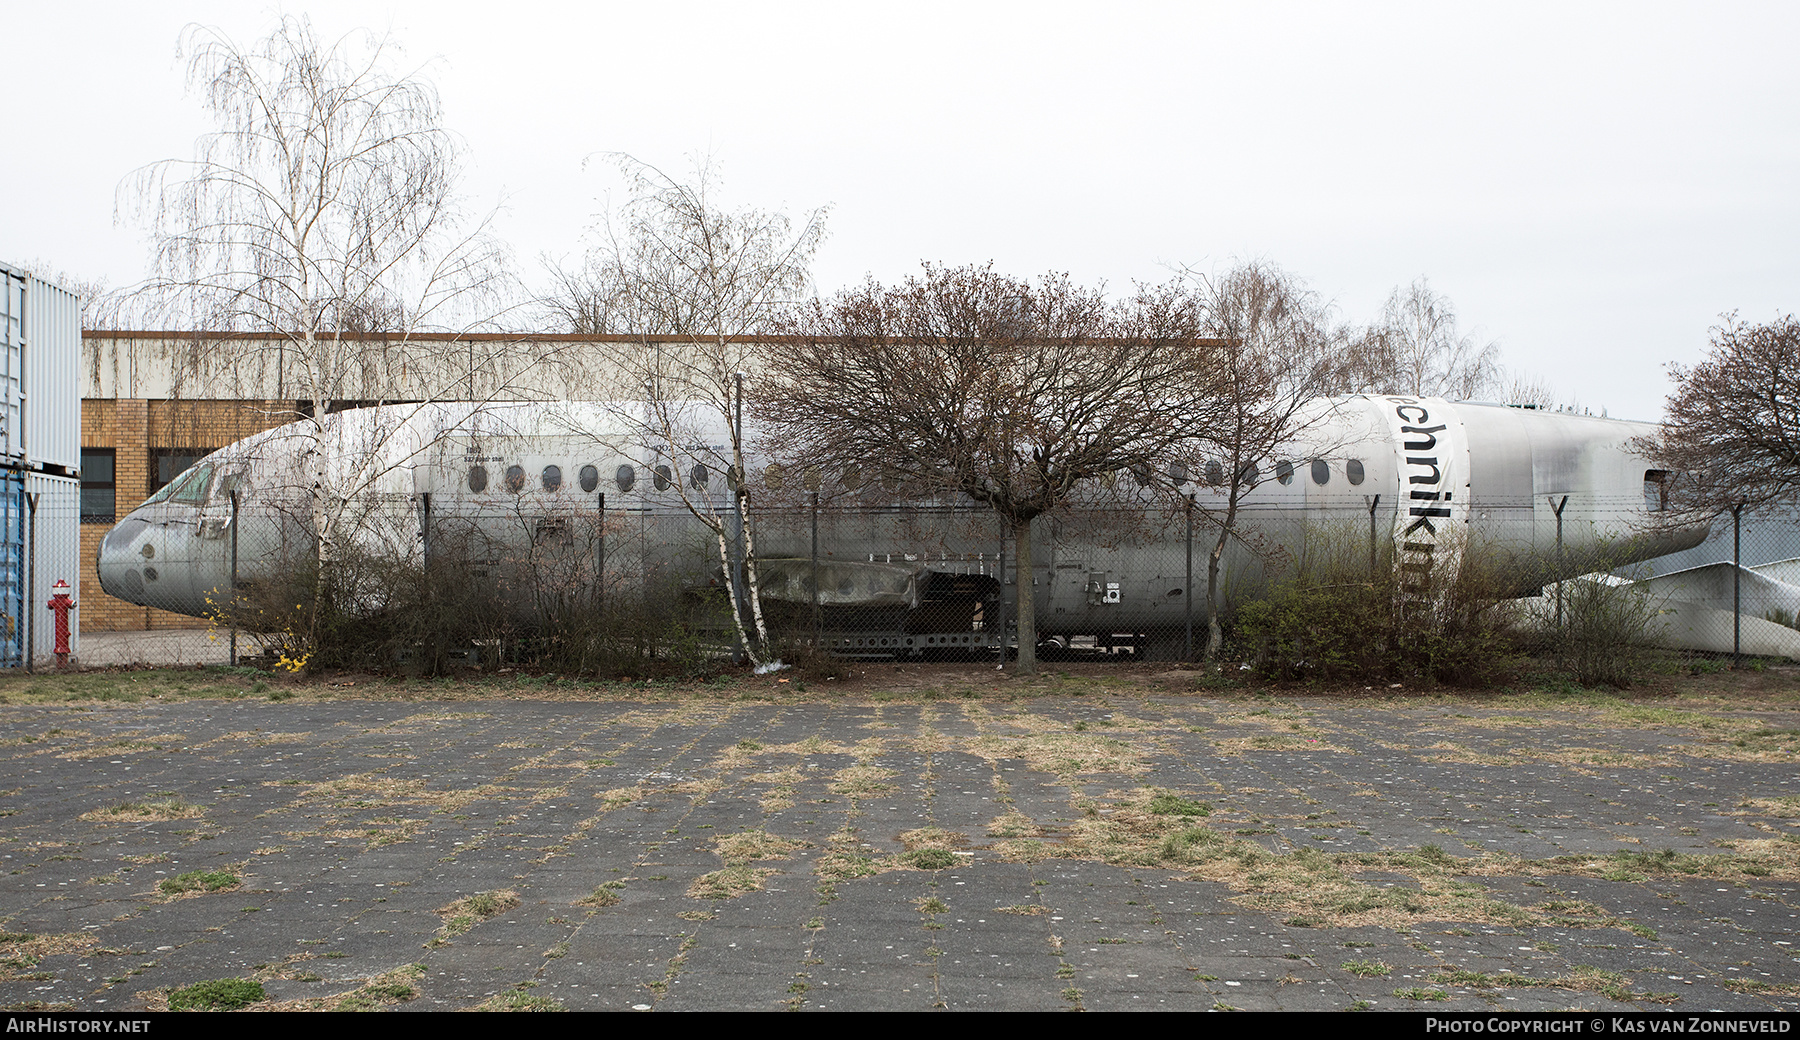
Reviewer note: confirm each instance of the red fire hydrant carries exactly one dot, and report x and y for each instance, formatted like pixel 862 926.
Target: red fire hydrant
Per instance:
pixel 60 604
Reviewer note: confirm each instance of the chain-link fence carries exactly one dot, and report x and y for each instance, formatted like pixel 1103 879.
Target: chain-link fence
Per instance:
pixel 582 585
pixel 1736 593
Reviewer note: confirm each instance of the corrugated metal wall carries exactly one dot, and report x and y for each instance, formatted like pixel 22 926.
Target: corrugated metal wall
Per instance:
pixel 40 369
pixel 52 551
pixel 13 307
pixel 51 377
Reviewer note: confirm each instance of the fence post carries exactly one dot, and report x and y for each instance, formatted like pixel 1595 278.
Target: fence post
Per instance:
pixel 600 563
pixel 234 571
pixel 1374 565
pixel 1000 576
pixel 817 619
pixel 31 504
pixel 1561 564
pixel 1737 606
pixel 1187 590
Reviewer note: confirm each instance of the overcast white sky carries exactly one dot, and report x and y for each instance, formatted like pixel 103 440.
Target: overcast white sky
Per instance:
pixel 1592 185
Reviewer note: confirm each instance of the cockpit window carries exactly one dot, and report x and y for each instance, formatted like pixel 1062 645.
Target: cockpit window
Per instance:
pixel 190 489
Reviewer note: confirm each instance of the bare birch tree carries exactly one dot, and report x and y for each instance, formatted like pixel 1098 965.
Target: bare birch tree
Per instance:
pixel 323 206
pixel 964 382
pixel 1416 348
pixel 1277 355
pixel 698 285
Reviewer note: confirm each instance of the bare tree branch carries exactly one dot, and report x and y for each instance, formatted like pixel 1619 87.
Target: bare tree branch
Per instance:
pixel 1731 434
pixel 1279 354
pixel 1415 348
pixel 705 282
pixel 325 205
pixel 963 382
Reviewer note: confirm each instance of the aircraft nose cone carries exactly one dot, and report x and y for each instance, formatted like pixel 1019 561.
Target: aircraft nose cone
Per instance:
pixel 121 558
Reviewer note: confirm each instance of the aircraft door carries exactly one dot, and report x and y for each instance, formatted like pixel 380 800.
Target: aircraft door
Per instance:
pixel 210 557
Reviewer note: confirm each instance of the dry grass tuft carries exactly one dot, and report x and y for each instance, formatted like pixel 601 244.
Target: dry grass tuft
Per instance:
pixel 729 883
pixel 747 846
pixel 739 851
pixel 619 796
pixel 463 914
pixel 143 812
pixel 862 780
pixel 21 951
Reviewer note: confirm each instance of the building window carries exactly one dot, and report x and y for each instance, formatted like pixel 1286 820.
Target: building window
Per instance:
pixel 168 463
pixel 99 498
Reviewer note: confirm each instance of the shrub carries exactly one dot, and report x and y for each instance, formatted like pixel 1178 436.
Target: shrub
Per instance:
pixel 1338 624
pixel 532 601
pixel 1603 631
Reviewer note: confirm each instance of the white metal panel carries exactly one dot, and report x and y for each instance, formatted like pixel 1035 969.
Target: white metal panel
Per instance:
pixel 52 551
pixel 50 379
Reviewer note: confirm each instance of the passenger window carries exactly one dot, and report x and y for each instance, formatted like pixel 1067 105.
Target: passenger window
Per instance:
pixel 590 478
pixel 552 478
pixel 1353 471
pixel 698 476
pixel 626 477
pixel 1215 473
pixel 515 479
pixel 1284 472
pixel 478 478
pixel 1321 472
pixel 665 477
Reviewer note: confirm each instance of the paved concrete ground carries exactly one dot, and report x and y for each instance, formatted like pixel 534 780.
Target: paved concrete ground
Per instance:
pixel 351 836
pixel 162 647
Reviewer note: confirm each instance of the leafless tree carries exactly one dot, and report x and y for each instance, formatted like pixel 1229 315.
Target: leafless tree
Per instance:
pixel 1278 354
pixel 101 305
pixel 1523 390
pixel 1415 348
pixel 697 284
pixel 962 381
pixel 1731 433
pixel 324 204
